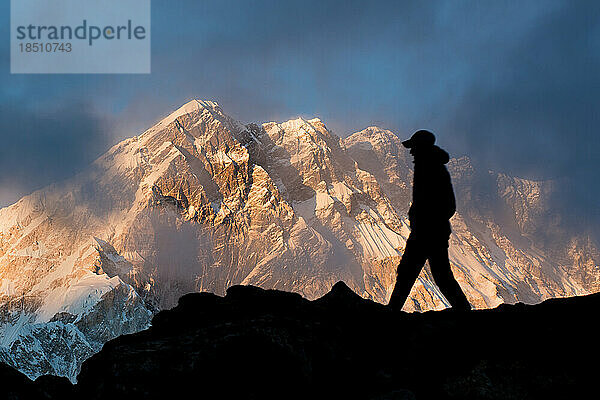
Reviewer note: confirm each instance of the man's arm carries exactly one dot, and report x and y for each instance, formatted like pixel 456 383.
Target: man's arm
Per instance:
pixel 449 196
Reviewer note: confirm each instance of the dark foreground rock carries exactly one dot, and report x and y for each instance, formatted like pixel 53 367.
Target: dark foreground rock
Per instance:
pixel 260 344
pixel 14 385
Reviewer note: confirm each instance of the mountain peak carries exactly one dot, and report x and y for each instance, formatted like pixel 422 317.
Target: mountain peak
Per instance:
pixel 295 123
pixel 192 114
pixel 372 135
pixel 200 202
pixel 190 107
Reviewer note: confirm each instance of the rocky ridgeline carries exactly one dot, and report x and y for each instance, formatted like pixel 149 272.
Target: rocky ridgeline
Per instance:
pixel 257 344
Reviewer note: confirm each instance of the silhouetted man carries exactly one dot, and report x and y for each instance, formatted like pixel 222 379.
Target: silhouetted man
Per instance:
pixel 429 215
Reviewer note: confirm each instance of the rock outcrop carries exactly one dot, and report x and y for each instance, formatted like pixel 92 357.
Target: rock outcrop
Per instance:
pixel 267 344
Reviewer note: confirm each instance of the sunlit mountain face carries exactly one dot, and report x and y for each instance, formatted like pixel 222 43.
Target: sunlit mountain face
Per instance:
pixel 200 202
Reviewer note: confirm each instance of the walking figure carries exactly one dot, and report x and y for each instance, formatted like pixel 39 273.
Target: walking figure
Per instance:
pixel 429 215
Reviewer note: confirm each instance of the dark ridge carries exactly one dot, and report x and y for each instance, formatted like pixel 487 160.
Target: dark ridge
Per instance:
pixel 268 344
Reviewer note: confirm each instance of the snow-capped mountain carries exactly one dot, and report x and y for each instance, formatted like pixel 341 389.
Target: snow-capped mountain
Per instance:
pixel 200 202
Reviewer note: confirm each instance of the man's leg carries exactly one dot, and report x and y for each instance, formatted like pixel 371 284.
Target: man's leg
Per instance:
pixel 411 264
pixel 444 279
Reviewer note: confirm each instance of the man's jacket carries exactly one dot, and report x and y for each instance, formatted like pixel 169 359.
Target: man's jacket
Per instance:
pixel 433 197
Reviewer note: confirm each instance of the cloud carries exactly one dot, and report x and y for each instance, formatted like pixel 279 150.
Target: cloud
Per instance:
pixel 534 112
pixel 41 146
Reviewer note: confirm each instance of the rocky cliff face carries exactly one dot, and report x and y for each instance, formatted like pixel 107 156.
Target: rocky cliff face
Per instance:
pixel 200 202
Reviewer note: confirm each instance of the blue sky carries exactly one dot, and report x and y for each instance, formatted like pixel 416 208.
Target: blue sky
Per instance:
pixel 513 84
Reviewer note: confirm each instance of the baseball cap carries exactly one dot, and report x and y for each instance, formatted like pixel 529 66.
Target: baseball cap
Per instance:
pixel 420 138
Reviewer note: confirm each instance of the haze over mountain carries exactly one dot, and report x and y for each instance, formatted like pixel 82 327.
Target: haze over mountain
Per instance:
pixel 200 202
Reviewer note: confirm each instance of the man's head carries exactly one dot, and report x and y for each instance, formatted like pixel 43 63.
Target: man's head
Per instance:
pixel 420 139
pixel 420 142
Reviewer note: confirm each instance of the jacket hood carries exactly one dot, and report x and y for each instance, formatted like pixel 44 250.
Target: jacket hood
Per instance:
pixel 431 155
pixel 440 155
